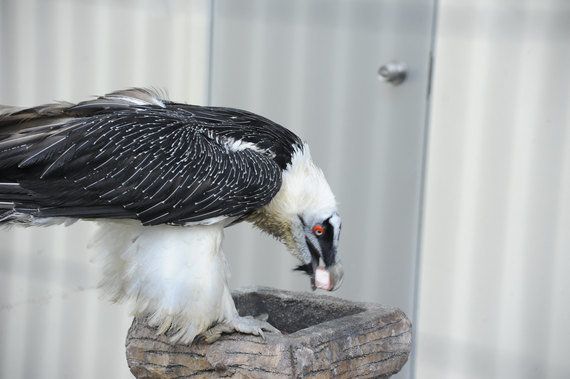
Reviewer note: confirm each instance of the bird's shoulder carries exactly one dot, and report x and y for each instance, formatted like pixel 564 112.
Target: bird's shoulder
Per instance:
pixel 132 154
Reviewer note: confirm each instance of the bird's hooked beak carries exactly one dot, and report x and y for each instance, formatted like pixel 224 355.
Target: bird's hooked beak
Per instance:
pixel 321 241
pixel 326 277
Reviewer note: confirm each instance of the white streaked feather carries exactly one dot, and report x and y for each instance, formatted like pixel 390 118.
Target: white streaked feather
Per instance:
pixel 27 220
pixel 139 96
pixel 24 162
pixel 235 145
pixel 213 220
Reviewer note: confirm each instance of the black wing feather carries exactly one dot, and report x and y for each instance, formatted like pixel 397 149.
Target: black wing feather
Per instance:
pixel 130 155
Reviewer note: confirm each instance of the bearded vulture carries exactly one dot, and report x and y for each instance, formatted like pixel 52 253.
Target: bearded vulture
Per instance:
pixel 163 180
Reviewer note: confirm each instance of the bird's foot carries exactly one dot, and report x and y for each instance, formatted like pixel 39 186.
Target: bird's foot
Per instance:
pixel 247 325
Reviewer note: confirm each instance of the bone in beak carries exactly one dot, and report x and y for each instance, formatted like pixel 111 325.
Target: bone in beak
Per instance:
pixel 330 278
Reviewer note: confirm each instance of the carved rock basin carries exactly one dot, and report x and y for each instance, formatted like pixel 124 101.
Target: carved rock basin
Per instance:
pixel 323 337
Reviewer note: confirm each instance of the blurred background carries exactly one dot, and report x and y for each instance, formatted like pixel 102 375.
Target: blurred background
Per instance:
pixel 454 185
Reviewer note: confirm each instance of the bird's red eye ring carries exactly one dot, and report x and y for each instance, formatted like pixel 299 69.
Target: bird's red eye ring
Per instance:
pixel 318 230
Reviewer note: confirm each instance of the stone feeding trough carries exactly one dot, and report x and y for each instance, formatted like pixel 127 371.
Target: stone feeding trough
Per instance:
pixel 323 337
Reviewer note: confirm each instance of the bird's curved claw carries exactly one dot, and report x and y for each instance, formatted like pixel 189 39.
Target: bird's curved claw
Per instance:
pixel 247 325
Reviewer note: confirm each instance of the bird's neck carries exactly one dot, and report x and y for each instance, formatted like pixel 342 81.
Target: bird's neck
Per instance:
pixel 304 189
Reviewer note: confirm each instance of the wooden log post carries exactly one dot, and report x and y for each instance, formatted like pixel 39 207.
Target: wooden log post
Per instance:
pixel 323 337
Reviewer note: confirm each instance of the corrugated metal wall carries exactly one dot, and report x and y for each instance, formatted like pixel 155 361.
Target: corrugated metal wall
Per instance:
pixel 52 322
pixel 312 66
pixel 494 299
pixel 494 288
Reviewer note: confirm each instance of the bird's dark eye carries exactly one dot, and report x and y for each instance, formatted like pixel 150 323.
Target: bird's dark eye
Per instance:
pixel 318 230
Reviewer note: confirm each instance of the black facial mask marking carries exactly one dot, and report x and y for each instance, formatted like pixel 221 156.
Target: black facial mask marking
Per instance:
pixel 326 243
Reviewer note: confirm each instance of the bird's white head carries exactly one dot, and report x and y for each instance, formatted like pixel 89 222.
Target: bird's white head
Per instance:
pixel 304 216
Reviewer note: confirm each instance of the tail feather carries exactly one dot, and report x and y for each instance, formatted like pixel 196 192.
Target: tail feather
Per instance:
pixel 13 217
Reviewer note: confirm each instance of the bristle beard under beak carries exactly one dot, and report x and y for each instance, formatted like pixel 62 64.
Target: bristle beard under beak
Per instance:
pixel 335 274
pixel 310 269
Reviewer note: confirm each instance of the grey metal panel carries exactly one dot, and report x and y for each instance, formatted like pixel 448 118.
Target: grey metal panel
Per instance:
pixel 494 279
pixel 311 66
pixel 53 323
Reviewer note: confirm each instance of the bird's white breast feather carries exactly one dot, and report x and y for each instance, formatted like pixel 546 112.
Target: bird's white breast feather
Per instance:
pixel 176 274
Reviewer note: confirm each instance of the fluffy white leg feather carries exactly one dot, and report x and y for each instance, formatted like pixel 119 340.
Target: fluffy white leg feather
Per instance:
pixel 178 276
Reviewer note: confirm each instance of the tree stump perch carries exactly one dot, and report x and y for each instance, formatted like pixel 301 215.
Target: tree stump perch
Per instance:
pixel 323 337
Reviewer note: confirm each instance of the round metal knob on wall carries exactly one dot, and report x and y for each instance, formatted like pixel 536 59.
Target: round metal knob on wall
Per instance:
pixel 393 72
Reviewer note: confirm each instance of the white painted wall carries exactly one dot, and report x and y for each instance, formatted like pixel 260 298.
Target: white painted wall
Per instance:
pixel 494 283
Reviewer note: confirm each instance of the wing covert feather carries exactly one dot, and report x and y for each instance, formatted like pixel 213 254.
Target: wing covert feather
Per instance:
pixel 156 164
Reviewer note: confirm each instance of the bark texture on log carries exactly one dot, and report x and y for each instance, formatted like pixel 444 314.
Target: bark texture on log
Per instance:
pixel 323 337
